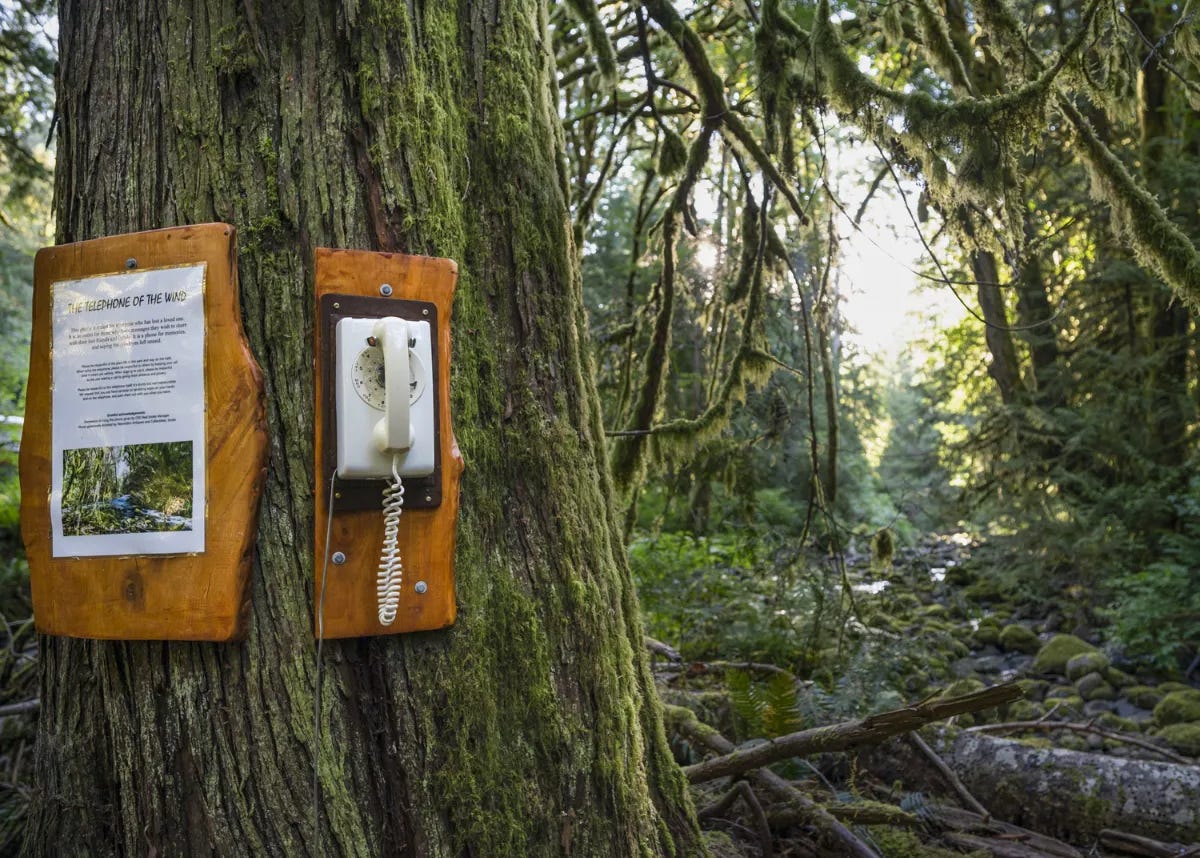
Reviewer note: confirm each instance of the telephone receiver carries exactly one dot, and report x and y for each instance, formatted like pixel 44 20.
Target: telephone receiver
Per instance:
pixel 384 398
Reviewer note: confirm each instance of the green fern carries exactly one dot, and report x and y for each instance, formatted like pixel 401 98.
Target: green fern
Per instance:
pixel 781 712
pixel 767 709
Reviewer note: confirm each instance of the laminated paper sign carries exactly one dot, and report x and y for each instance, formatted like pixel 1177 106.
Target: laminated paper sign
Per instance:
pixel 128 445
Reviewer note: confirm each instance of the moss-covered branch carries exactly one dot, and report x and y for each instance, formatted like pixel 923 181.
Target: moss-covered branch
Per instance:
pixel 629 454
pixel 849 734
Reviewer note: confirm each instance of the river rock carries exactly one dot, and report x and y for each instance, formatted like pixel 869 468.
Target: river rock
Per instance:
pixel 1053 657
pixel 1017 638
pixel 1178 707
pixel 1085 663
pixel 1093 687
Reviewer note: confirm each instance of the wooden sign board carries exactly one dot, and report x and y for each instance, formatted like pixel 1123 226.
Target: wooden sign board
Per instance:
pixel 352 284
pixel 144 452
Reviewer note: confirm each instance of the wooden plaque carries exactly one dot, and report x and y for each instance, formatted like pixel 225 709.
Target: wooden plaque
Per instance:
pixel 154 596
pixel 348 283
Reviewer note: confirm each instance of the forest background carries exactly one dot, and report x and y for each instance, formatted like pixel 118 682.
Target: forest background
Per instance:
pixel 789 486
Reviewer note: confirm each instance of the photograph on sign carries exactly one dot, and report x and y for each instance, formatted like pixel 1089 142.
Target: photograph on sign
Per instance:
pixel 127 425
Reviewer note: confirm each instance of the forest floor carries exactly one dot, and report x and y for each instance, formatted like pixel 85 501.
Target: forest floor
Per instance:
pixel 1104 762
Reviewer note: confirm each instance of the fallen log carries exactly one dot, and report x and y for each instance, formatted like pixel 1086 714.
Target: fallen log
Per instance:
pixel 850 734
pixel 1132 844
pixel 1061 793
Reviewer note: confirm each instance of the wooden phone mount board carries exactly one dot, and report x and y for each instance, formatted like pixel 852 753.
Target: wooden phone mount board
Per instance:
pixel 350 283
pixel 198 595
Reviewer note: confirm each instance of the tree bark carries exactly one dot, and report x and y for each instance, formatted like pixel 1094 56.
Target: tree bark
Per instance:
pixel 531 727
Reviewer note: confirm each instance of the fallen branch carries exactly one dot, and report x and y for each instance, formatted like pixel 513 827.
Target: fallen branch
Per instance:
pixel 665 650
pixel 948 773
pixel 1133 844
pixel 863 813
pixel 701 734
pixel 20 708
pixel 745 792
pixel 1077 727
pixel 996 848
pixel 850 734
pixel 968 822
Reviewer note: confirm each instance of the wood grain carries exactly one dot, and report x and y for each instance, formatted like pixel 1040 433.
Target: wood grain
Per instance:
pixel 154 597
pixel 427 536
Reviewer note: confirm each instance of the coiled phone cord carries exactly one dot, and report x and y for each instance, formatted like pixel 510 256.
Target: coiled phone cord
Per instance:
pixel 390 577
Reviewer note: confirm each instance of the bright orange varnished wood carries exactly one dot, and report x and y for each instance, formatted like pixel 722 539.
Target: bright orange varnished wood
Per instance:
pixel 154 597
pixel 427 536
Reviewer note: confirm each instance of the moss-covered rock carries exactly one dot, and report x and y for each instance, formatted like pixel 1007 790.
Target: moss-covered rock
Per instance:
pixel 1060 692
pixel 1168 687
pixel 1092 686
pixel 721 845
pixel 1143 696
pixel 959 576
pixel 1085 663
pixel 1178 707
pixel 1184 738
pixel 1053 657
pixel 1113 721
pixel 1017 638
pixel 986 636
pixel 903 843
pixel 1024 710
pixel 1118 678
pixel 937 609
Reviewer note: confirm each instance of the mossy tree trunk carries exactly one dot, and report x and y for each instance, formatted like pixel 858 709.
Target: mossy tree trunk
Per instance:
pixel 531 728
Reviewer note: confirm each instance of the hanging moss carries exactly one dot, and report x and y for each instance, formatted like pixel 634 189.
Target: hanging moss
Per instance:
pixel 940 45
pixel 597 34
pixel 673 156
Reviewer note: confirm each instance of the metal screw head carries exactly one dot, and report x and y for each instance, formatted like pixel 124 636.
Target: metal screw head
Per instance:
pixel 385 290
pixel 428 498
pixel 336 305
pixel 338 558
pixel 131 263
pixel 421 587
pixel 425 312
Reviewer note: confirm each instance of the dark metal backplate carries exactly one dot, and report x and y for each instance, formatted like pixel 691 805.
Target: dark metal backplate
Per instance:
pixel 419 492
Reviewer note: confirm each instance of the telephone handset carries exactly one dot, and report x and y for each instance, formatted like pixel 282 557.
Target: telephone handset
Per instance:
pixel 385 404
pixel 385 423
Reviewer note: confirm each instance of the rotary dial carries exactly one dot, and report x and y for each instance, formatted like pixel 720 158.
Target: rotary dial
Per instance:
pixel 368 377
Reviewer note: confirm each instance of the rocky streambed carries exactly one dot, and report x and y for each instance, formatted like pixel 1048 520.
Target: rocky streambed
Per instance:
pixel 976 637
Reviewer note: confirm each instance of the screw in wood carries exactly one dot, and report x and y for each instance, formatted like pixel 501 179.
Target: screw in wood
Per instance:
pixel 385 290
pixel 421 587
pixel 338 558
pixel 131 263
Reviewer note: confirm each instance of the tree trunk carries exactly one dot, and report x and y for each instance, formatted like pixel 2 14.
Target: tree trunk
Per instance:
pixel 531 727
pixel 1004 368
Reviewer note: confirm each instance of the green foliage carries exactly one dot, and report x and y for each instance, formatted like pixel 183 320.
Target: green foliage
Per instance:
pixel 765 709
pixel 724 597
pixel 1156 613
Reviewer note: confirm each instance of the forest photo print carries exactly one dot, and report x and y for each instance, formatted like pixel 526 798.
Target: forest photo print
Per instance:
pixel 135 488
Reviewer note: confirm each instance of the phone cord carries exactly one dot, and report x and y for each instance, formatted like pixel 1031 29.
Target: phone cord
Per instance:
pixel 390 578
